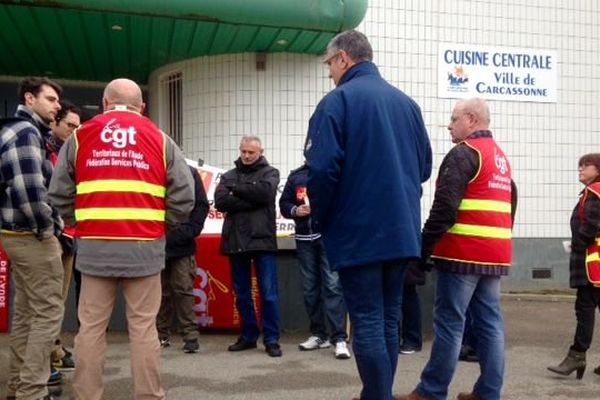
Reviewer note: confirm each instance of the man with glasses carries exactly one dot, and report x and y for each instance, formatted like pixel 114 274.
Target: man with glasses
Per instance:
pixel 66 121
pixel 468 237
pixel 367 152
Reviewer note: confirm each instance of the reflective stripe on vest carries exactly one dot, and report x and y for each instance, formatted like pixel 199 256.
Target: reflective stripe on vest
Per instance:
pixel 121 178
pixel 482 231
pixel 484 205
pixel 117 214
pixel 592 264
pixel 116 185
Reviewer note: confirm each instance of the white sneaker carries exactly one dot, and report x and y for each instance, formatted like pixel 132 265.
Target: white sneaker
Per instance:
pixel 341 351
pixel 314 343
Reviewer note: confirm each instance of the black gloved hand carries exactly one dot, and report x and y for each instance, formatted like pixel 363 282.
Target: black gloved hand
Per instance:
pixel 67 244
pixel 426 264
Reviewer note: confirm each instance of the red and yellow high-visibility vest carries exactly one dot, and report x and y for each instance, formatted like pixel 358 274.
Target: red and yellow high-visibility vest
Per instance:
pixel 592 257
pixel 482 232
pixel 120 176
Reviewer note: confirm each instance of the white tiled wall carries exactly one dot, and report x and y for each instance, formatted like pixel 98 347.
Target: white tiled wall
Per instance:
pixel 225 97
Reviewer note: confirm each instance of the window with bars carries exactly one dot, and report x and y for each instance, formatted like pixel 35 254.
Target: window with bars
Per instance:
pixel 171 116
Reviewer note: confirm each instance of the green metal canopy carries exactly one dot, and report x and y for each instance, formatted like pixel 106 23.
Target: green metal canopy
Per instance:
pixel 99 40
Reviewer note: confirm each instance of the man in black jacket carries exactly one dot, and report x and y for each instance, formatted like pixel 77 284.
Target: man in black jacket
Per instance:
pixel 177 279
pixel 247 194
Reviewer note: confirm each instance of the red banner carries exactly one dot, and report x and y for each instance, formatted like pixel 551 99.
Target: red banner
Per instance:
pixel 4 293
pixel 214 297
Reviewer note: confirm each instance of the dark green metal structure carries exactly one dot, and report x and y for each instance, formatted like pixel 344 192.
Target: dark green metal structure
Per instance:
pixel 97 40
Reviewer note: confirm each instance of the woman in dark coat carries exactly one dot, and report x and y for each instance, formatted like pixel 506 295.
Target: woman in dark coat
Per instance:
pixel 585 232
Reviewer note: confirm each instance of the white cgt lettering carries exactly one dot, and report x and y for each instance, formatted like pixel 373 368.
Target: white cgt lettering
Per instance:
pixel 119 137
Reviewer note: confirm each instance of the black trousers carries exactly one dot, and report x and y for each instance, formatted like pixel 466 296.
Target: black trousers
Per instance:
pixel 588 299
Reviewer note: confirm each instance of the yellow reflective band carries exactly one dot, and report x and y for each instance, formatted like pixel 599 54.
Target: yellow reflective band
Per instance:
pixel 119 185
pixel 484 205
pixel 142 214
pixel 480 230
pixel 592 257
pixel 598 241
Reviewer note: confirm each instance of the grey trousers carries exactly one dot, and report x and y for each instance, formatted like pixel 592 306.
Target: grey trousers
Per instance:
pixel 177 280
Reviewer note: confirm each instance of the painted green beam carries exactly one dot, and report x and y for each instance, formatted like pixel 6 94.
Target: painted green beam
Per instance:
pixel 318 15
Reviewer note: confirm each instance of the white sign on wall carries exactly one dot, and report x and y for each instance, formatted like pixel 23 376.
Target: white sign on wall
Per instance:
pixel 498 73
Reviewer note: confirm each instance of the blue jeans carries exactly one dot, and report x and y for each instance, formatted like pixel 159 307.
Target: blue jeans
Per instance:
pixel 373 295
pixel 410 322
pixel 454 294
pixel 266 275
pixel 322 291
pixel 469 338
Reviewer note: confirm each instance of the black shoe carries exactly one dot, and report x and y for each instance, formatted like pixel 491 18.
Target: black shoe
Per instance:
pixel 67 352
pixel 241 344
pixel 273 349
pixel 191 346
pixel 55 391
pixel 64 364
pixel 468 354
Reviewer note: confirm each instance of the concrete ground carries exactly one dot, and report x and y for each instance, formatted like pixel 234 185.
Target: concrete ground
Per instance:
pixel 539 329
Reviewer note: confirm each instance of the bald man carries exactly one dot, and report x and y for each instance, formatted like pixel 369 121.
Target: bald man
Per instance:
pixel 468 237
pixel 120 181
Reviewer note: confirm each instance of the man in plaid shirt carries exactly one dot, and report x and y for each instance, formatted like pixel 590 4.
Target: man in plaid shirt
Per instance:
pixel 29 229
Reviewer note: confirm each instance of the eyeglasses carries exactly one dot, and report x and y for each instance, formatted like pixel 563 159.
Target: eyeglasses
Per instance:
pixel 584 166
pixel 330 59
pixel 71 125
pixel 455 118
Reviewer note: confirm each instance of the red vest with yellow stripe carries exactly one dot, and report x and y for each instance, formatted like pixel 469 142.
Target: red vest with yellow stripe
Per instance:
pixel 120 176
pixel 592 257
pixel 482 232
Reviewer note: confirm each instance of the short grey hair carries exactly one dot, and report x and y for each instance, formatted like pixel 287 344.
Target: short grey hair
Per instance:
pixel 354 43
pixel 251 138
pixel 478 107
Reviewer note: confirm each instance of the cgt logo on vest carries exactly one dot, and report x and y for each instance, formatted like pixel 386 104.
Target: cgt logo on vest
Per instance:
pixel 501 162
pixel 117 136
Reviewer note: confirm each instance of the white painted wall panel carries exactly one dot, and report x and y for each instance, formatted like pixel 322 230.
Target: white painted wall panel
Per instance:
pixel 225 97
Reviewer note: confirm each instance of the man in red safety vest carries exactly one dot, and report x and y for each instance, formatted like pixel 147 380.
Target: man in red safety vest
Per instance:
pixel 468 236
pixel 120 181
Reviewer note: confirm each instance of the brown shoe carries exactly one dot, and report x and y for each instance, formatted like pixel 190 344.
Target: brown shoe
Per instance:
pixel 413 396
pixel 467 396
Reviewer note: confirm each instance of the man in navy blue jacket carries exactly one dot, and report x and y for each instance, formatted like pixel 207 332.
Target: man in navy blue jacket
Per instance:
pixel 320 285
pixel 368 153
